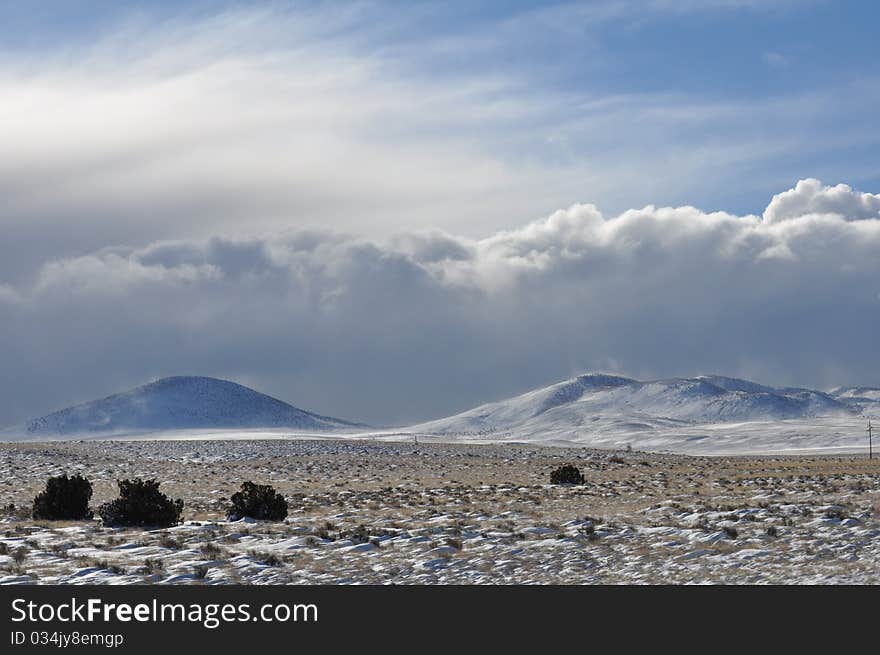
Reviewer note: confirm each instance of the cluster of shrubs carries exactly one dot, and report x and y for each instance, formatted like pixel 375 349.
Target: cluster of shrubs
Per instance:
pixel 140 503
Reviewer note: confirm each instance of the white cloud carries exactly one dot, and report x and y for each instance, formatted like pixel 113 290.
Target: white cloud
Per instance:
pixel 264 120
pixel 426 323
pixel 246 149
pixel 812 197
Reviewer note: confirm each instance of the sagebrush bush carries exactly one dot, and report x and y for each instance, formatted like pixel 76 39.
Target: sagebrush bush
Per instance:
pixel 257 501
pixel 263 557
pixel 19 555
pixel 65 499
pixel 140 503
pixel 567 474
pixel 211 550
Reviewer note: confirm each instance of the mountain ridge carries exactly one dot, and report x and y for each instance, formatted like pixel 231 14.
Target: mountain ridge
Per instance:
pixel 600 398
pixel 585 406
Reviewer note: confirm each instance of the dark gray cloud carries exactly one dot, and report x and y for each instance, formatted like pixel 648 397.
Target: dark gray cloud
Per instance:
pixel 427 323
pixel 179 196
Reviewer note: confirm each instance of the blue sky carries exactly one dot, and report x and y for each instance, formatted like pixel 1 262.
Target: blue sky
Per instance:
pixel 463 162
pixel 712 47
pixel 795 80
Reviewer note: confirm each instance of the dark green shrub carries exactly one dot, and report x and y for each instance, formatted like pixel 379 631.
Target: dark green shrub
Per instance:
pixel 257 501
pixel 567 474
pixel 140 503
pixel 65 498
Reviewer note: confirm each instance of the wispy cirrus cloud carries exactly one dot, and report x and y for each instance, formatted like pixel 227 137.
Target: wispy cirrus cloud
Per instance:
pixel 255 120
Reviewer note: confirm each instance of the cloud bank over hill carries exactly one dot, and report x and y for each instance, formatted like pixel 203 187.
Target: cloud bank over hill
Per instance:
pixel 426 323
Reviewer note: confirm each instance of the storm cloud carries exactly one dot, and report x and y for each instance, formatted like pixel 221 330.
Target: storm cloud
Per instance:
pixel 335 203
pixel 426 323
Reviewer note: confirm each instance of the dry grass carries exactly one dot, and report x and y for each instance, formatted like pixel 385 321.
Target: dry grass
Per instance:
pixel 462 497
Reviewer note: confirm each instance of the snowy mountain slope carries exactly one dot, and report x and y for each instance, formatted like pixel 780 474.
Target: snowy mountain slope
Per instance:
pixel 865 399
pixel 617 403
pixel 177 403
pixel 700 415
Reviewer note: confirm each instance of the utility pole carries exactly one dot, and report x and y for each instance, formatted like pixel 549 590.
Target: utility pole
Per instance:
pixel 870 440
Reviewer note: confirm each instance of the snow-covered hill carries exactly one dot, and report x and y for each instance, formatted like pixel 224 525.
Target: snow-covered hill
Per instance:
pixel 178 403
pixel 700 415
pixel 605 402
pixel 865 399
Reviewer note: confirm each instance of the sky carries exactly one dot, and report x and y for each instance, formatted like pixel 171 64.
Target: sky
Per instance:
pixel 394 211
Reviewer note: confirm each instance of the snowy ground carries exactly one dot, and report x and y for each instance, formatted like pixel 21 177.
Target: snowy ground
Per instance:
pixel 429 513
pixel 830 435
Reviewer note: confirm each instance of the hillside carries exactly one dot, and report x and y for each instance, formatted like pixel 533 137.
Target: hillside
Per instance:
pixel 593 401
pixel 177 403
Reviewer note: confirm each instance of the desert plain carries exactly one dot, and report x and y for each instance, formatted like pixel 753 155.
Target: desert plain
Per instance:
pixel 377 512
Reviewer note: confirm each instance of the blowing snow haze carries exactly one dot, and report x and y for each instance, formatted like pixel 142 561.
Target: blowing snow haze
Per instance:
pixel 394 213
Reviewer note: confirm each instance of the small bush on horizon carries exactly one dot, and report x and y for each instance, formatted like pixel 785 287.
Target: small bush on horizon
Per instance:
pixel 567 474
pixel 140 503
pixel 257 501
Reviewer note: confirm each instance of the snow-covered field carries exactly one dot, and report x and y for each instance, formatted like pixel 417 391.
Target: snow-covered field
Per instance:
pixel 431 513
pixel 840 434
pixel 845 434
pixel 702 480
